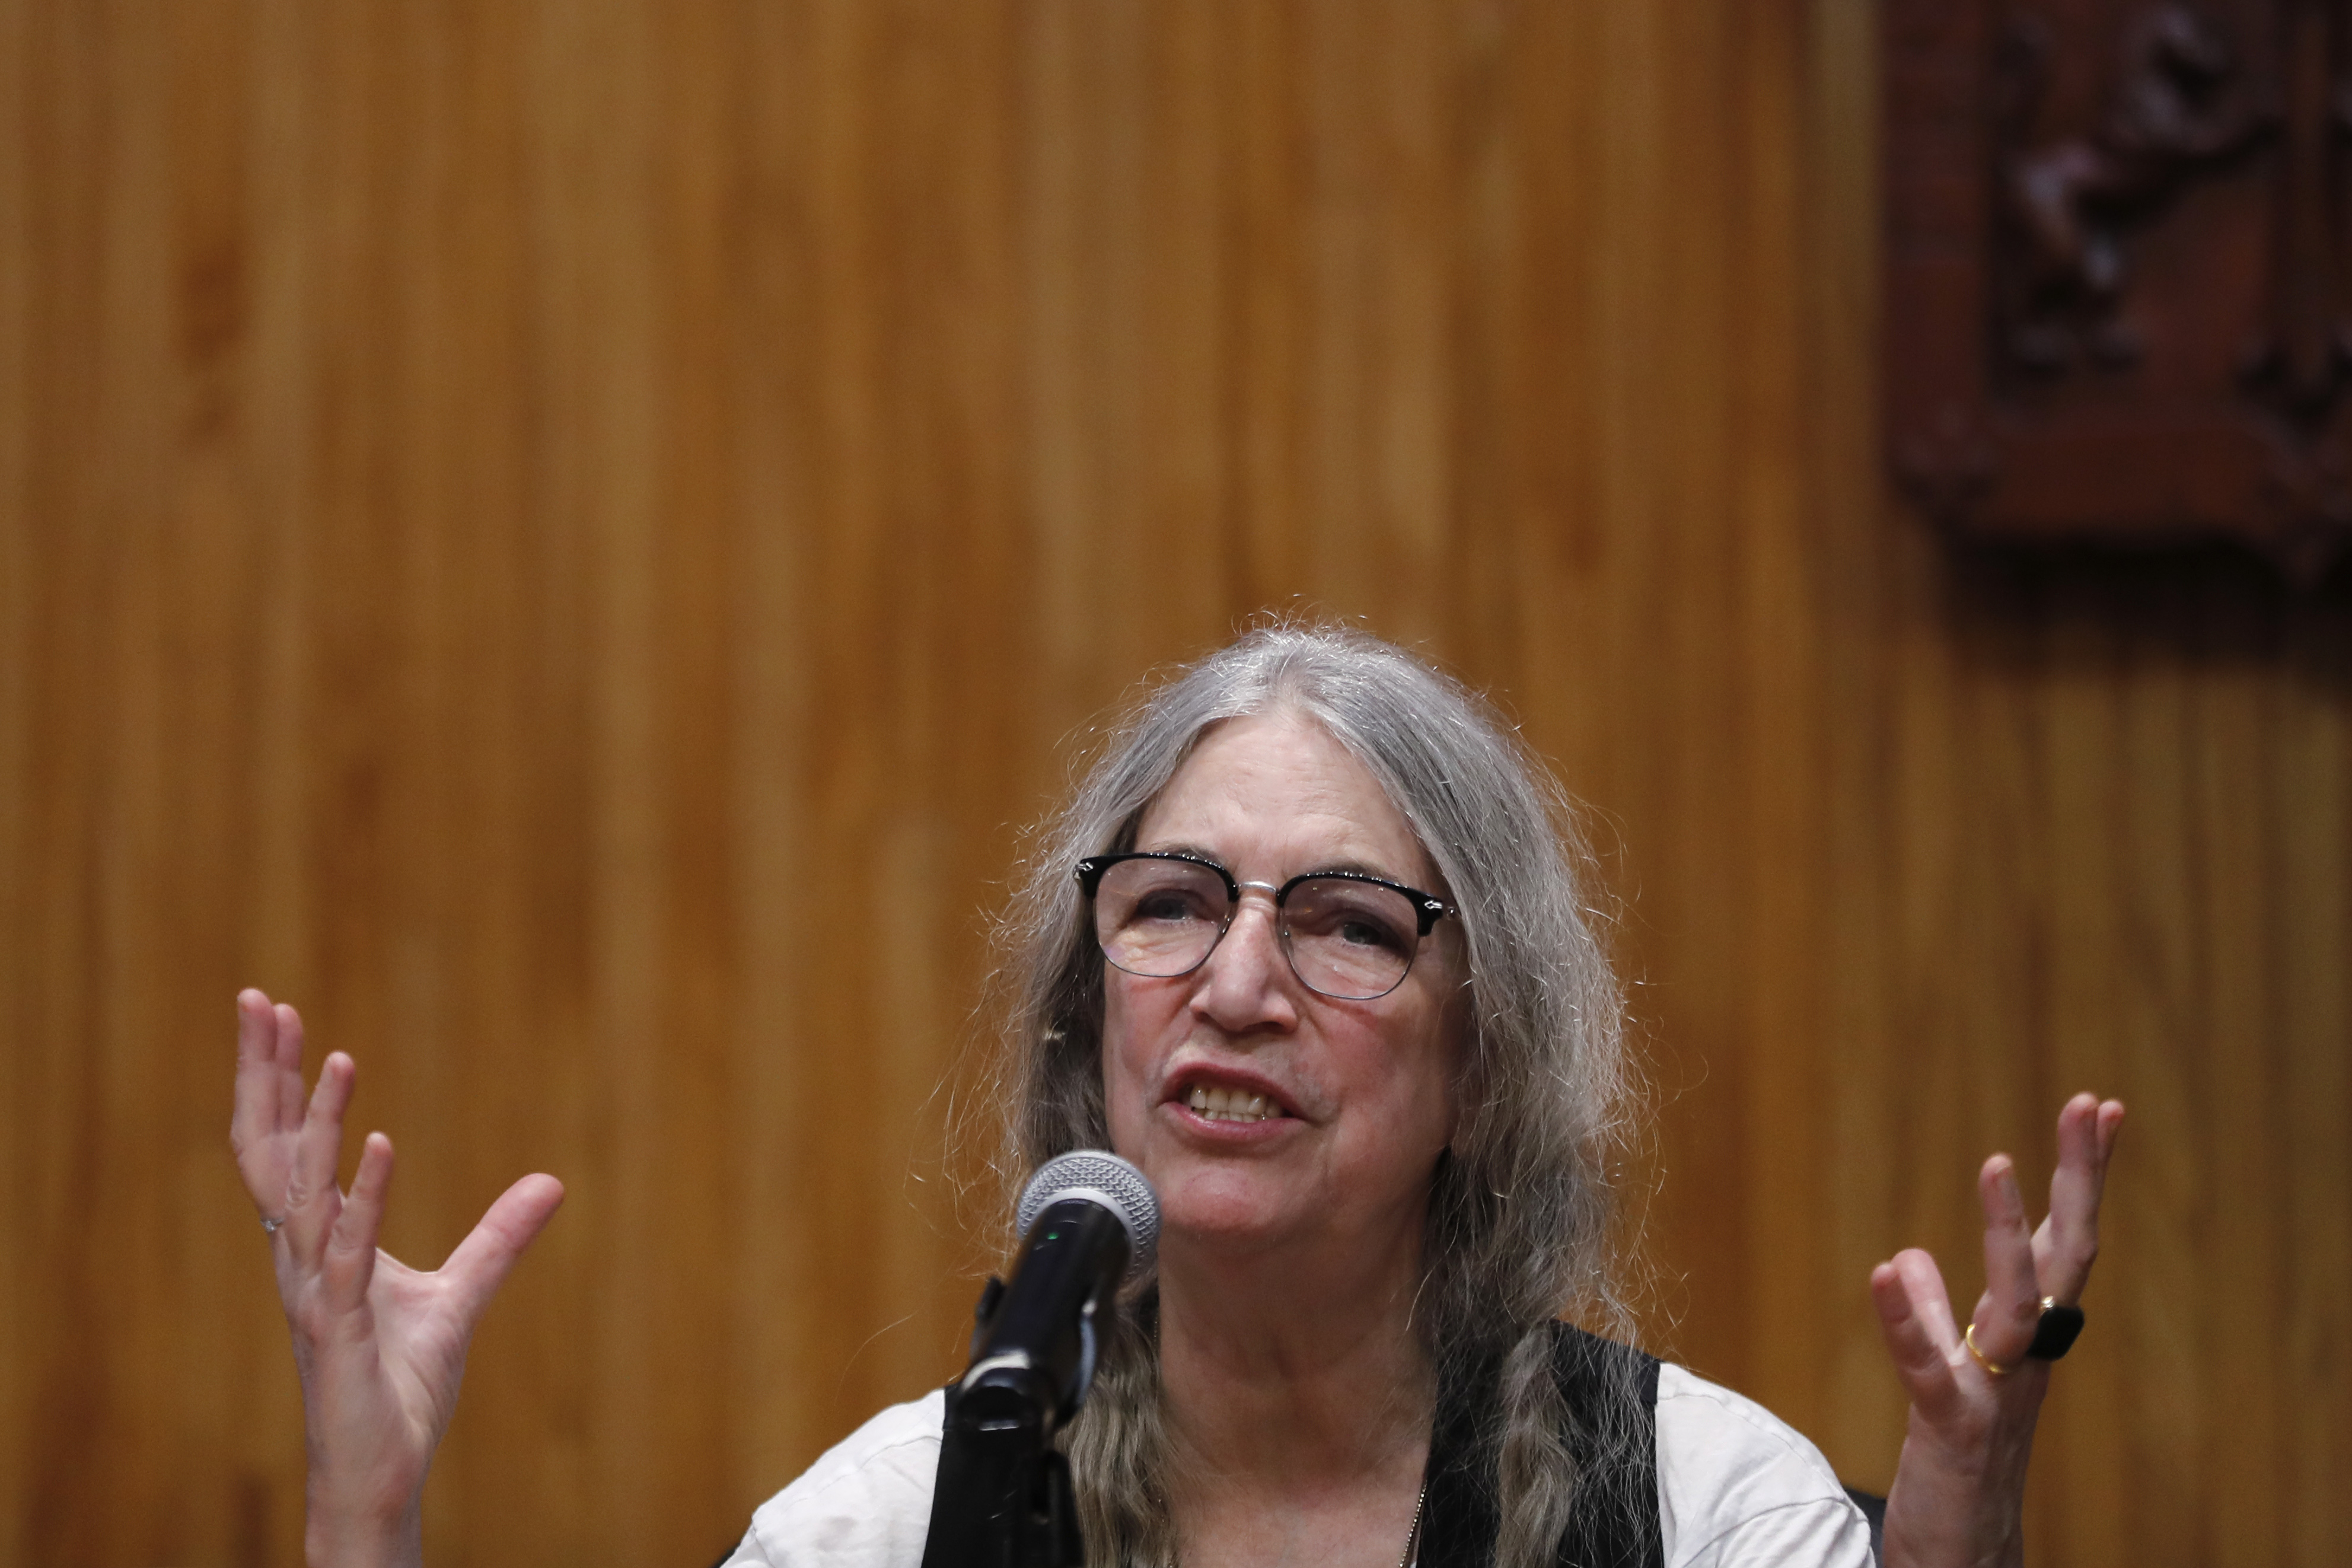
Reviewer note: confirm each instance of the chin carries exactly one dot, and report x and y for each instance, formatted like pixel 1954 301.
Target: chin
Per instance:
pixel 1222 1206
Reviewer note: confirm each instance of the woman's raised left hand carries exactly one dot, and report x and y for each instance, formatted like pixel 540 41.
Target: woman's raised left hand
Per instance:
pixel 1958 1496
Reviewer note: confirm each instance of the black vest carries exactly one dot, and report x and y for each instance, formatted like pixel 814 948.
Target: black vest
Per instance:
pixel 1615 1523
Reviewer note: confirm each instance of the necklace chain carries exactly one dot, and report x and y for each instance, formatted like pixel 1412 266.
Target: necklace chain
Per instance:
pixel 1412 1536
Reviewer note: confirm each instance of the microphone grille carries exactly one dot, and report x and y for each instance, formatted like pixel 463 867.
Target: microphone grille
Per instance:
pixel 1110 1181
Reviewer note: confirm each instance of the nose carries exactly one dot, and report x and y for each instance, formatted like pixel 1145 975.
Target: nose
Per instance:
pixel 1245 982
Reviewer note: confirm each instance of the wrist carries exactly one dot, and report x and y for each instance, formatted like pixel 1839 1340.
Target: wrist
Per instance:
pixel 335 1538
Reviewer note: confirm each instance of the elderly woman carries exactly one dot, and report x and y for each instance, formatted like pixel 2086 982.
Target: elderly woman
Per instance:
pixel 1308 947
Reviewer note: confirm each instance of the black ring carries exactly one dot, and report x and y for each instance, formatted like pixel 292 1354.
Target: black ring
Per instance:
pixel 2055 1335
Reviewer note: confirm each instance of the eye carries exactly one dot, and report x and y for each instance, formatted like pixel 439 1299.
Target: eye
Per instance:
pixel 1162 893
pixel 1169 903
pixel 1363 916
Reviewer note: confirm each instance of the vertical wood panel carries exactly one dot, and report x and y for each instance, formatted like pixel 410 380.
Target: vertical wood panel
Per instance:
pixel 568 538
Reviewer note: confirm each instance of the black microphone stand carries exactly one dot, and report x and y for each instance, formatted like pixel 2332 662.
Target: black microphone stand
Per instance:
pixel 1003 1497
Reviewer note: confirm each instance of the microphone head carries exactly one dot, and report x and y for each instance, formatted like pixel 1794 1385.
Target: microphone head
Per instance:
pixel 1106 1179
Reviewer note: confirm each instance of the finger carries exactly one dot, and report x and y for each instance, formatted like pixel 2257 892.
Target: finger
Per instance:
pixel 2011 1302
pixel 348 1262
pixel 1916 1318
pixel 2068 1241
pixel 1923 1285
pixel 311 1200
pixel 255 1117
pixel 479 1265
pixel 2111 1122
pixel 289 1067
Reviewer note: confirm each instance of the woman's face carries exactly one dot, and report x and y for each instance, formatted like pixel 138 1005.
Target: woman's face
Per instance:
pixel 1325 1118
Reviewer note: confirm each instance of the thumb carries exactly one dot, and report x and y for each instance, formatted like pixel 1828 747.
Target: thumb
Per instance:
pixel 479 1265
pixel 1909 1294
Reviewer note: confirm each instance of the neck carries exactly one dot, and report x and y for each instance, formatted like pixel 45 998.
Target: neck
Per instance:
pixel 1284 1369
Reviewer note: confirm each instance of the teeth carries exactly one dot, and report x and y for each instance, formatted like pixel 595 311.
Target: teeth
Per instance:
pixel 1221 1104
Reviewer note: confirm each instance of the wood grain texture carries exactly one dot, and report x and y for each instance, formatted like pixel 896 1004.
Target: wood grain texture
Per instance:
pixel 568 538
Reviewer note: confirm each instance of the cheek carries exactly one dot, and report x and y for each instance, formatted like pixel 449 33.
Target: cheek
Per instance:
pixel 1449 1102
pixel 1433 1081
pixel 1124 1074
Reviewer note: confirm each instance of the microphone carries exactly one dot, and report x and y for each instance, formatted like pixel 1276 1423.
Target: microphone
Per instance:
pixel 1088 1220
pixel 1002 1496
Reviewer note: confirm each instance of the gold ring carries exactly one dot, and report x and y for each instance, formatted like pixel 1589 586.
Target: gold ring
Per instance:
pixel 1968 1338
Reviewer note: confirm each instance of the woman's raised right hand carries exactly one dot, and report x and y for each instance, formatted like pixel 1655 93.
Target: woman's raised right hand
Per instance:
pixel 380 1346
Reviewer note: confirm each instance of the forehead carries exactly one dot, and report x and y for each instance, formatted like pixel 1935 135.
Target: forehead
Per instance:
pixel 1278 790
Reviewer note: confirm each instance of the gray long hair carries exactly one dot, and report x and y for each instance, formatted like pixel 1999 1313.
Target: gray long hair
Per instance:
pixel 1520 1226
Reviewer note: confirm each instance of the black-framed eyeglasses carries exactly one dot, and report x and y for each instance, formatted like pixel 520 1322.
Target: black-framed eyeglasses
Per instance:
pixel 1349 936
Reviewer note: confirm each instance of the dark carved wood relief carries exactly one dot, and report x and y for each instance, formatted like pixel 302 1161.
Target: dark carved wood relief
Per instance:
pixel 2119 298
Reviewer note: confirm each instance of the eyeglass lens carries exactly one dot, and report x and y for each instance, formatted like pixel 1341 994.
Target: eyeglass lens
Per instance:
pixel 1347 939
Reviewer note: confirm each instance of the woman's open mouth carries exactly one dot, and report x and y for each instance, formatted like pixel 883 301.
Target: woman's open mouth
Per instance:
pixel 1229 1098
pixel 1221 1104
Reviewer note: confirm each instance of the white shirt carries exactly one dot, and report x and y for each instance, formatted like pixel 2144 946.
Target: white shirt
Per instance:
pixel 1736 1486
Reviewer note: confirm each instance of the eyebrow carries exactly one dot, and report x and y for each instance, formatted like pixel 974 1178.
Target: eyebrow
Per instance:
pixel 1359 868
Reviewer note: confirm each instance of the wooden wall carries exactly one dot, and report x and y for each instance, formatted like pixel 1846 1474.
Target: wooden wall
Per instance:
pixel 565 538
